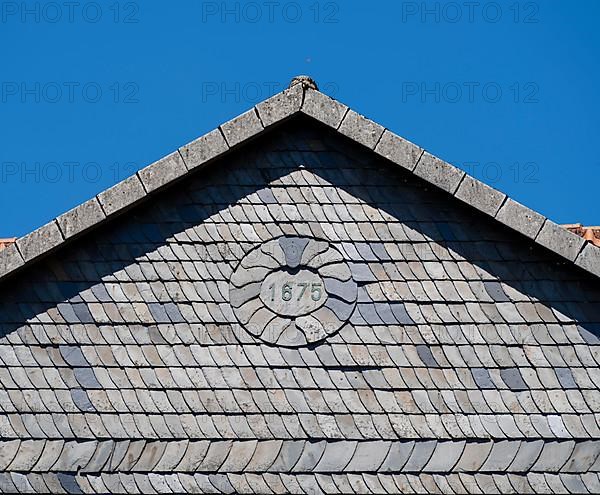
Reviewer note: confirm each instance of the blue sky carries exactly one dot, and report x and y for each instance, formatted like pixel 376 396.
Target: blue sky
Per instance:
pixel 92 91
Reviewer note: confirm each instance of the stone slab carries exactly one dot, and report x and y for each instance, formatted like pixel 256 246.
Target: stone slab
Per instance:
pixel 439 173
pixel 281 105
pixel 480 196
pixel 323 108
pixel 80 218
pixel 204 149
pixel 242 128
pixel 398 150
pixel 520 218
pixel 560 240
pixel 121 195
pixel 162 172
pixel 361 129
pixel 589 259
pixel 40 241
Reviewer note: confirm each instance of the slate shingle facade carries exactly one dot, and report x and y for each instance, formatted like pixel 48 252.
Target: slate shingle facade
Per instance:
pixel 467 359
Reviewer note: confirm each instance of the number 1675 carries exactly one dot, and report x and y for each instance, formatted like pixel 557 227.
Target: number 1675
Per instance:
pixel 300 288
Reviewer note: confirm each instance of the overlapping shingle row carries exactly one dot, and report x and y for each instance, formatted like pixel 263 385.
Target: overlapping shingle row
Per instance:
pixel 300 456
pixel 270 483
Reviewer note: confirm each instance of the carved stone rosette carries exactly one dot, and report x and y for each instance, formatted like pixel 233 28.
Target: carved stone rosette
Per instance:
pixel 293 291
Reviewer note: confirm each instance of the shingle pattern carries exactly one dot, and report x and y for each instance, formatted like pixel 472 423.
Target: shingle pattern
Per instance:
pixel 470 363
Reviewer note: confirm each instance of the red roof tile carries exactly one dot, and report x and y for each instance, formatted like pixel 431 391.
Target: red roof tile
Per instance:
pixel 7 242
pixel 591 234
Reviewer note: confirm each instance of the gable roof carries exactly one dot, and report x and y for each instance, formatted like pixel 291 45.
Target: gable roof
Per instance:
pixel 302 97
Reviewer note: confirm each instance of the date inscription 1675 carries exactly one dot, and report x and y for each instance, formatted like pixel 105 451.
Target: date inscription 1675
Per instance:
pixel 293 294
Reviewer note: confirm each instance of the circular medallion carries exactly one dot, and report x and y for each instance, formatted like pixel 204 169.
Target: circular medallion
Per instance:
pixel 293 291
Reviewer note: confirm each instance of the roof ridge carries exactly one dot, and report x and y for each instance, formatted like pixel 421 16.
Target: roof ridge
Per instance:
pixel 301 97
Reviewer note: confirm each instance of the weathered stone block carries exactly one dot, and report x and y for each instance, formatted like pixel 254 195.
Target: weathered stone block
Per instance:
pixel 242 127
pixel 80 218
pixel 520 218
pixel 162 172
pixel 10 260
pixel 399 150
pixel 323 108
pixel 40 241
pixel 588 259
pixel 281 105
pixel 560 240
pixel 480 196
pixel 361 129
pixel 439 173
pixel 121 195
pixel 203 149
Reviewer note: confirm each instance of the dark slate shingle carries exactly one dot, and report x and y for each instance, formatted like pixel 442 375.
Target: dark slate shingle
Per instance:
pixel 513 379
pixel 482 378
pixel 426 356
pixel 495 291
pixel 565 377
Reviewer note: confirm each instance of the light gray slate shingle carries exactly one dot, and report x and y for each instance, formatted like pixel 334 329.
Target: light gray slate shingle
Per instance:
pixel 336 457
pixel 473 456
pixel 288 456
pixel 445 457
pixel 397 456
pixel 266 195
pixel 368 456
pixel 501 455
pixel 221 483
pixel 311 454
pixel 420 455
pixel 583 457
pixel 526 456
pixel 554 456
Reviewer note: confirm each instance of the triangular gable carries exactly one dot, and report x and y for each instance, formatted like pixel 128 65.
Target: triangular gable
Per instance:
pixel 302 97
